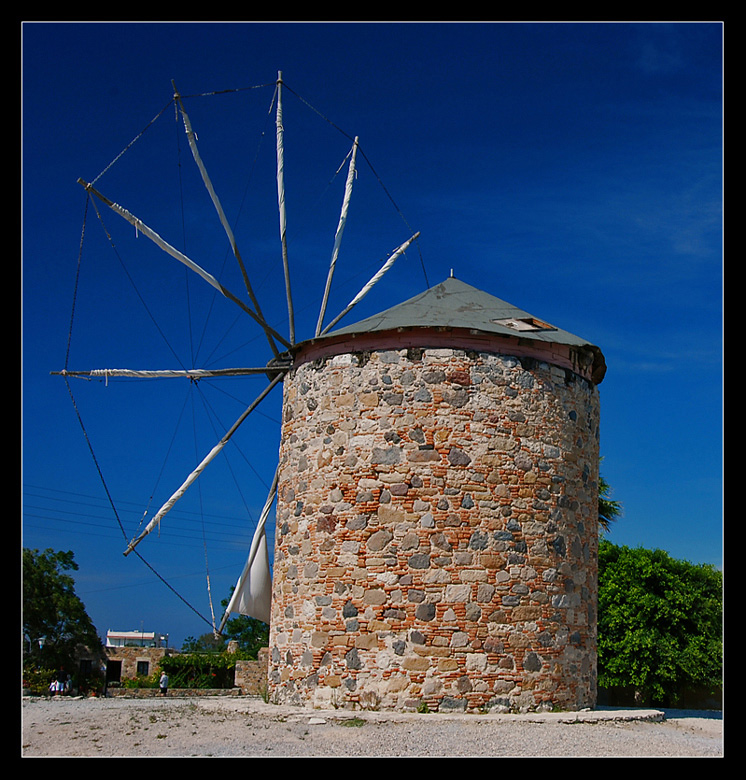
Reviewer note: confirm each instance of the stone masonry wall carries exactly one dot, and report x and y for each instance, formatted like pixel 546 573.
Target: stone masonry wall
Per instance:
pixel 131 656
pixel 436 539
pixel 251 676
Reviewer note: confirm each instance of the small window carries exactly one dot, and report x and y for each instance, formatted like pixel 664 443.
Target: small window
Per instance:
pixel 143 668
pixel 524 324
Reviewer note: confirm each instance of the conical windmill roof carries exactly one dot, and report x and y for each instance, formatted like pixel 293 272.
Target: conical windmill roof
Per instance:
pixel 454 304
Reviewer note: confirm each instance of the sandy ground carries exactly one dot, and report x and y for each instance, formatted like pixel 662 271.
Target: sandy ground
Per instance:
pixel 247 727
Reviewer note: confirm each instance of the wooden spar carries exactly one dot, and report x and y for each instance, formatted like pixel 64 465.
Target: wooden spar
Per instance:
pixel 200 468
pixel 189 373
pixel 281 203
pixel 182 258
pixel 218 207
pixel 257 540
pixel 373 280
pixel 338 235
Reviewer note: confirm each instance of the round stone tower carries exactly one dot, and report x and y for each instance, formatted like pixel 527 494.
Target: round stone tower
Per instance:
pixel 436 539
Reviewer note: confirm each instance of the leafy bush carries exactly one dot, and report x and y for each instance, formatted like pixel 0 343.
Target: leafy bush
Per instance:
pixel 141 681
pixel 36 681
pixel 659 624
pixel 212 670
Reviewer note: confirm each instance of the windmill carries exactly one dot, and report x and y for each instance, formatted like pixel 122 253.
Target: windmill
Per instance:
pixel 251 595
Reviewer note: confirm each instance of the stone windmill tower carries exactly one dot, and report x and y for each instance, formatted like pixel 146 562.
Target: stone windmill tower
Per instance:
pixel 436 539
pixel 436 493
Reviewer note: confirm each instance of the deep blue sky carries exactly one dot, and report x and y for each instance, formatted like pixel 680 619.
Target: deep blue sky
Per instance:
pixel 574 170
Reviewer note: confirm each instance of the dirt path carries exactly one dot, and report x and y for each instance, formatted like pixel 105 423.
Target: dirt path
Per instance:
pixel 245 726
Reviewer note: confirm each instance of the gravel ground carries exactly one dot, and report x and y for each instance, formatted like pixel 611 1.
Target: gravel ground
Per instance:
pixel 246 726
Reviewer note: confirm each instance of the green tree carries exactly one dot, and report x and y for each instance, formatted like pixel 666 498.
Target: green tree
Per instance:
pixel 205 643
pixel 659 624
pixel 250 633
pixel 608 510
pixel 52 612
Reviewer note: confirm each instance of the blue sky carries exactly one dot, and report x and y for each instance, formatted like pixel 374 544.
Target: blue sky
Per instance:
pixel 574 170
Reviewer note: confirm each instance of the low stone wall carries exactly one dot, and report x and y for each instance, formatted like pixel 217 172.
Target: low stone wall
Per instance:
pixel 173 693
pixel 251 676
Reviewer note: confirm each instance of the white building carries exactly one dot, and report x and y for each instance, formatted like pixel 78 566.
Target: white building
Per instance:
pixel 135 639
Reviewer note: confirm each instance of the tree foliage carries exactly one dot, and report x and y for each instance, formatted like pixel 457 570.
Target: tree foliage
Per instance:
pixel 250 633
pixel 608 510
pixel 52 612
pixel 204 643
pixel 211 670
pixel 659 625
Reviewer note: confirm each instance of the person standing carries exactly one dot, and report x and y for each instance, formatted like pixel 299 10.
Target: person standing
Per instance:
pixel 163 683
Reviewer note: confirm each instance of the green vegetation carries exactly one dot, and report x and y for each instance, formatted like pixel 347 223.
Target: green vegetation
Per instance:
pixel 54 619
pixel 250 634
pixel 204 661
pixel 608 510
pixel 140 681
pixel 211 670
pixel 660 625
pixel 55 623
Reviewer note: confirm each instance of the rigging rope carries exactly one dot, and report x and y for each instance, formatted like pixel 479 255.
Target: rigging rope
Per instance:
pixel 77 280
pixel 163 466
pixel 133 141
pixel 373 170
pixel 85 432
pixel 116 514
pixel 88 201
pixel 177 135
pixel 202 518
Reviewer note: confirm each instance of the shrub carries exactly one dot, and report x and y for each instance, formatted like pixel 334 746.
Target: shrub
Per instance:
pixel 659 624
pixel 193 670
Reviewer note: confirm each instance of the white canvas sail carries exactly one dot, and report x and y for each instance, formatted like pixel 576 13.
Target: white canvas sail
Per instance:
pixel 254 596
pixel 253 592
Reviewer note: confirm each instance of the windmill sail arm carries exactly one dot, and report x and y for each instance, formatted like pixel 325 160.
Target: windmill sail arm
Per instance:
pixel 182 258
pixel 200 468
pixel 280 135
pixel 193 373
pixel 338 235
pixel 371 282
pixel 191 137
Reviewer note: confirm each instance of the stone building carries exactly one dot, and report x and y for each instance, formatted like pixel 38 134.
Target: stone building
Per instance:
pixel 436 540
pixel 131 654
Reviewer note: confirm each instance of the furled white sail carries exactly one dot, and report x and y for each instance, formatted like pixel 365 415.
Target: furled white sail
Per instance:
pixel 281 205
pixel 192 138
pixel 168 373
pixel 253 593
